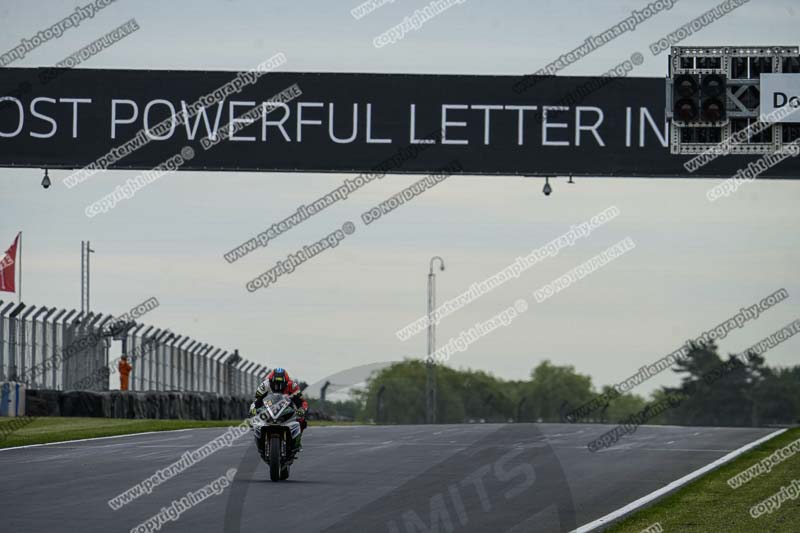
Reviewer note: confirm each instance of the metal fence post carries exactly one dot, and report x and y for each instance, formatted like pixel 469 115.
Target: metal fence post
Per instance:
pixel 169 382
pixel 64 352
pixel 133 358
pixel 74 334
pixel 245 371
pixel 204 369
pixel 79 363
pixel 23 335
pixel 241 375
pixel 263 372
pixel 235 377
pixel 98 354
pixel 152 351
pixel 153 370
pixel 101 361
pixel 155 359
pixel 221 372
pixel 201 356
pixel 212 369
pixel 4 330
pixel 251 377
pixel 194 365
pixel 198 368
pixel 12 341
pixel 55 332
pixel 186 371
pixel 183 363
pixel 147 355
pixel 34 318
pixel 163 340
pixel 230 372
pixel 43 379
pixel 257 375
pixel 174 374
pixel 96 344
pixel 80 367
pixel 136 355
pixel 190 366
pixel 67 334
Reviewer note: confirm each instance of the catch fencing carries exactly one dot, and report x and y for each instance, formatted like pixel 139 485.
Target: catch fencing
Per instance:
pixel 48 348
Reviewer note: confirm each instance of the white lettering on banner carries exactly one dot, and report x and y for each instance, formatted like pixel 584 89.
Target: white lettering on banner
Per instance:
pixel 461 124
pixel 780 92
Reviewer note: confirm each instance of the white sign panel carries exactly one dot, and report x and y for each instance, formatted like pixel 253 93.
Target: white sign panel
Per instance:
pixel 780 98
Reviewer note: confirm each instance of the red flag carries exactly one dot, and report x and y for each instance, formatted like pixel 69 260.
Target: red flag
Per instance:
pixel 8 267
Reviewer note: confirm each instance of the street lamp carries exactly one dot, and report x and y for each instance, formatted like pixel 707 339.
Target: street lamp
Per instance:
pixel 85 275
pixel 430 378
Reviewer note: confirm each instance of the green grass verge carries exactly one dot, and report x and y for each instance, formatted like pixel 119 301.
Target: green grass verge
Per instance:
pixel 710 505
pixel 56 429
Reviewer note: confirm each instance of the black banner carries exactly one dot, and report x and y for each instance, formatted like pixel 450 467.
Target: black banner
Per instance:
pixel 343 123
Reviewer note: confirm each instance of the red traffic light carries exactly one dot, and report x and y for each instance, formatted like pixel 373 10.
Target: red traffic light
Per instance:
pixel 712 110
pixel 686 110
pixel 713 85
pixel 685 85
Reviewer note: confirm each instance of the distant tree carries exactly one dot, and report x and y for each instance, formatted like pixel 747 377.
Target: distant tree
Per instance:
pixel 778 397
pixel 717 392
pixel 621 407
pixel 554 390
pixel 482 395
pixel 400 388
pixel 460 395
pixel 738 391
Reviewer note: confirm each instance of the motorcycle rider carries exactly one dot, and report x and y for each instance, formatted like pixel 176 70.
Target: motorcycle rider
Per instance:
pixel 279 381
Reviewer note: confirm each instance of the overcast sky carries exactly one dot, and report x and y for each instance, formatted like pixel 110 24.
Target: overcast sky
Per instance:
pixel 695 263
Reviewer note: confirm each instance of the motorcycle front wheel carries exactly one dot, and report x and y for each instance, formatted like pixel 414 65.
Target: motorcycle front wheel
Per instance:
pixel 275 458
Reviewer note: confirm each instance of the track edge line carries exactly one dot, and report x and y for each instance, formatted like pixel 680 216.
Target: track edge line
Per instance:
pixel 636 504
pixel 94 438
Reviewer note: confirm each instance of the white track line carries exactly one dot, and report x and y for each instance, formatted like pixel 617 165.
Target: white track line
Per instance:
pixel 605 520
pixel 95 438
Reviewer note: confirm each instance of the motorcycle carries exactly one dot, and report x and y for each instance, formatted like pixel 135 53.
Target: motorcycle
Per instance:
pixel 277 433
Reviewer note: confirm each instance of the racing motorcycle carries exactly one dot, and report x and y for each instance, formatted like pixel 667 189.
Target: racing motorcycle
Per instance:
pixel 277 433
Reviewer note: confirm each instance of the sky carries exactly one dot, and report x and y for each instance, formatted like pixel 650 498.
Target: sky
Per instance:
pixel 695 263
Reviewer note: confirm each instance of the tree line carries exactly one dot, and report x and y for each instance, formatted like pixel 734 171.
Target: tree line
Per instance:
pixel 734 391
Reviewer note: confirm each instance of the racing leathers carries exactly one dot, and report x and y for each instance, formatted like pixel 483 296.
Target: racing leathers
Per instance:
pixel 291 389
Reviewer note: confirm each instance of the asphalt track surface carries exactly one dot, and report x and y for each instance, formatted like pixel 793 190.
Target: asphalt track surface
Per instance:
pixel 482 477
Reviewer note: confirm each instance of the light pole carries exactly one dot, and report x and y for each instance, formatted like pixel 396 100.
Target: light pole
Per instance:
pixel 85 275
pixel 430 378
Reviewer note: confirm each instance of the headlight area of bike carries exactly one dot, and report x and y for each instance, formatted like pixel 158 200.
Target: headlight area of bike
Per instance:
pixel 272 413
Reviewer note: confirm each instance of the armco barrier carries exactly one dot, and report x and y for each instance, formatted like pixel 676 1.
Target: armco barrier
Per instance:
pixel 151 404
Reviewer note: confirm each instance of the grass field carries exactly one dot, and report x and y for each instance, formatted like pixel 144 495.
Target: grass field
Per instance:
pixel 710 505
pixel 55 429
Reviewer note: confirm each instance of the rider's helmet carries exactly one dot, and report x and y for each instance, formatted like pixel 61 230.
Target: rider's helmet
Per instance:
pixel 278 379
